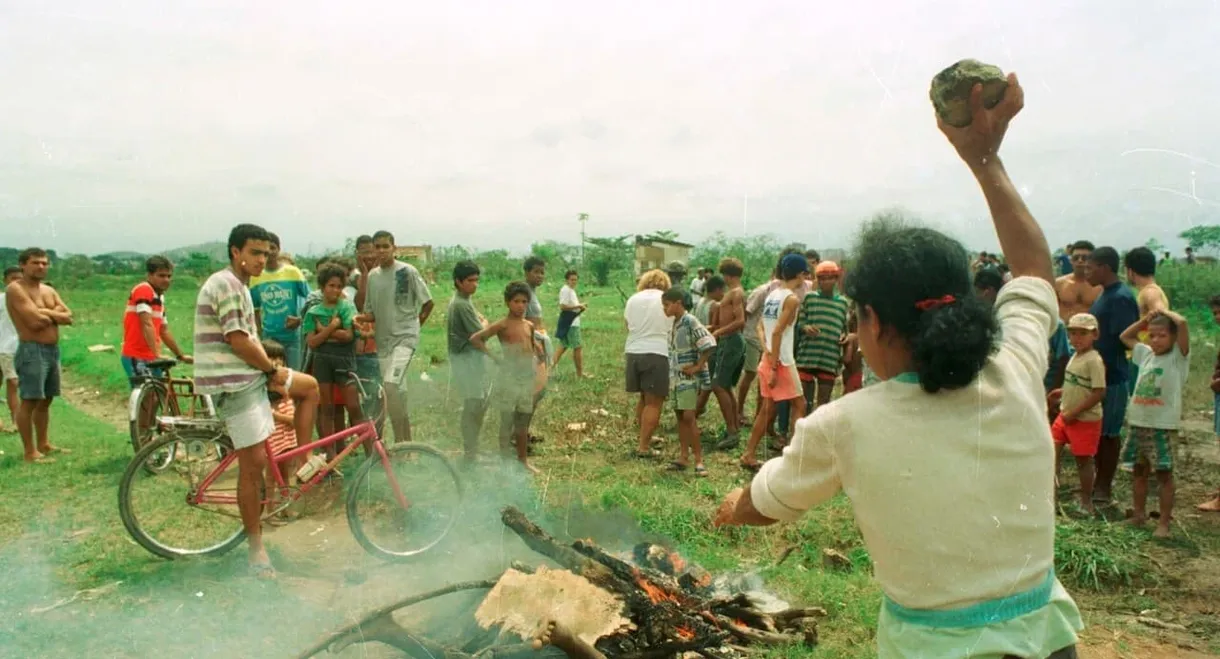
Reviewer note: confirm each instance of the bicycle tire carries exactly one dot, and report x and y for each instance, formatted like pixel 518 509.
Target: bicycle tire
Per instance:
pixel 142 436
pixel 353 515
pixel 133 525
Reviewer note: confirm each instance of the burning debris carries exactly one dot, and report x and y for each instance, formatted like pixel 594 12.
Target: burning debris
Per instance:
pixel 596 606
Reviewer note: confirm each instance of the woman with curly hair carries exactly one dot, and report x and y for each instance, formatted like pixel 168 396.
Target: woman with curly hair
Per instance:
pixel 647 354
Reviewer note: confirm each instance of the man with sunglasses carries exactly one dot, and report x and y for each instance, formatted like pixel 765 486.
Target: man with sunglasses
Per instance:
pixel 1075 292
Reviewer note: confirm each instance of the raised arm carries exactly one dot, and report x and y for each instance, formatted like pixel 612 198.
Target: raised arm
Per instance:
pixel 1183 331
pixel 1021 239
pixel 1130 336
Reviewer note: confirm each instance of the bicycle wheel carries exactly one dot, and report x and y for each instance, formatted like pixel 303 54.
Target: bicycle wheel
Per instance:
pixel 156 508
pixel 146 405
pixel 417 474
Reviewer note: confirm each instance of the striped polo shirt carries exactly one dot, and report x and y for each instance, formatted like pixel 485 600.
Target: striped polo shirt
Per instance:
pixel 223 306
pixel 143 299
pixel 829 315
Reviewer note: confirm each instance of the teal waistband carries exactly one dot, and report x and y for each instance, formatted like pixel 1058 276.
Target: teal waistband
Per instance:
pixel 978 615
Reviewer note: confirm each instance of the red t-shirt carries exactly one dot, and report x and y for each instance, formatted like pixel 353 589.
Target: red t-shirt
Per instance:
pixel 144 299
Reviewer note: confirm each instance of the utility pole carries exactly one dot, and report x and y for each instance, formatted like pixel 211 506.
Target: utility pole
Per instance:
pixel 582 218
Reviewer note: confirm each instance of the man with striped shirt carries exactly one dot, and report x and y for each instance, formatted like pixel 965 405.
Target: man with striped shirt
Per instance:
pixel 821 324
pixel 233 368
pixel 145 327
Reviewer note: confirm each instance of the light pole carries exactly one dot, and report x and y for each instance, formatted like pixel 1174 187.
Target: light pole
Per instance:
pixel 582 218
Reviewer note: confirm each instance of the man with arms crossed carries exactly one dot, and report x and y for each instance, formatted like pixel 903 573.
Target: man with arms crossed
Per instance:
pixel 1076 294
pixel 37 312
pixel 395 297
pixel 233 368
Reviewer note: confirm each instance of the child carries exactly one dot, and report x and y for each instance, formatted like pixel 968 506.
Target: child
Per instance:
pixel 467 365
pixel 965 563
pixel 1078 424
pixel 570 306
pixel 515 383
pixel 284 437
pixel 331 340
pixel 820 326
pixel 1213 506
pixel 706 311
pixel 777 376
pixel 1155 412
pixel 690 346
pixel 728 321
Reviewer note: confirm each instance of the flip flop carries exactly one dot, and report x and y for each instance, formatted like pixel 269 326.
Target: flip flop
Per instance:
pixel 676 466
pixel 56 449
pixel 41 460
pixel 700 471
pixel 751 467
pixel 262 571
pixel 649 455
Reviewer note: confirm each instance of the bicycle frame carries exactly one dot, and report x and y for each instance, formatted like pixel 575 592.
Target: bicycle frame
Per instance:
pixel 172 395
pixel 365 433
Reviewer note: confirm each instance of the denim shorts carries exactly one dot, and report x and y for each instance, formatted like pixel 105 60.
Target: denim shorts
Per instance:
pixel 37 366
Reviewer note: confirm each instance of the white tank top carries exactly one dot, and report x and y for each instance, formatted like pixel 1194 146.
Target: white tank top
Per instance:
pixel 772 309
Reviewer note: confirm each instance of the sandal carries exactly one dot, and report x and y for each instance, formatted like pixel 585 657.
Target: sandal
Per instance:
pixel 701 471
pixel 676 466
pixel 647 455
pixel 751 467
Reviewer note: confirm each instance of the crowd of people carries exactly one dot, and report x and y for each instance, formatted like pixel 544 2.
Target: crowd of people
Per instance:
pixel 961 389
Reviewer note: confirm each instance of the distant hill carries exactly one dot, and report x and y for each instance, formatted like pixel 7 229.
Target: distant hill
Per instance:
pixel 120 256
pixel 216 250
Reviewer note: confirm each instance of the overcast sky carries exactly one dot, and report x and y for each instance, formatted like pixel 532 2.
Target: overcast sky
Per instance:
pixel 150 124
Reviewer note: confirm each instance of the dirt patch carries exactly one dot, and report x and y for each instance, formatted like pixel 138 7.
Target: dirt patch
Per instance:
pixel 79 393
pixel 1104 643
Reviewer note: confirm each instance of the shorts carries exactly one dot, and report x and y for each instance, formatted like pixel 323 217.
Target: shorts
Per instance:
pixel 138 369
pixel 787 385
pixel 394 365
pixel 8 372
pixel 37 367
pixel 1082 437
pixel 468 375
pixel 514 390
pixel 571 340
pixel 753 355
pixel 853 382
pixel 1148 446
pixel 686 399
pixel 334 368
pixel 1114 410
pixel 730 358
pixel 246 414
pixel 1216 415
pixel 648 374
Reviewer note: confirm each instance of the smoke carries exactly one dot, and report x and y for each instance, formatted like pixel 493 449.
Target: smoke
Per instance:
pixel 212 608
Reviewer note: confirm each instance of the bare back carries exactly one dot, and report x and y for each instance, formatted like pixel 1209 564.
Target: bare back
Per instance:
pixel 25 303
pixel 1150 297
pixel 732 309
pixel 1075 296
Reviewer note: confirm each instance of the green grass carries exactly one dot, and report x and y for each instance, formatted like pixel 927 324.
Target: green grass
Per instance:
pixel 65 515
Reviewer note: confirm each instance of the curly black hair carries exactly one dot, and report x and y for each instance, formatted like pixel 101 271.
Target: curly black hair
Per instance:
pixel 516 288
pixel 331 270
pixel 899 265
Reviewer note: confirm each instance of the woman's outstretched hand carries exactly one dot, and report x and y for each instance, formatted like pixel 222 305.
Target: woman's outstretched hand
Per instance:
pixel 979 142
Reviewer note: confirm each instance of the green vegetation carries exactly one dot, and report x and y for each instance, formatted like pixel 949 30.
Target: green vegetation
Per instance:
pixel 66 516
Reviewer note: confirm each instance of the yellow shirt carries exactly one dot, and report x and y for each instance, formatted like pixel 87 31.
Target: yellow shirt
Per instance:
pixel 1085 372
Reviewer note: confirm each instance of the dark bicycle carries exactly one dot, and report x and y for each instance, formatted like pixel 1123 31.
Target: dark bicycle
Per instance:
pixel 155 396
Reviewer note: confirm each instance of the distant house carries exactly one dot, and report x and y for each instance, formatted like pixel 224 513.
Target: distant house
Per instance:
pixel 653 253
pixel 833 254
pixel 419 255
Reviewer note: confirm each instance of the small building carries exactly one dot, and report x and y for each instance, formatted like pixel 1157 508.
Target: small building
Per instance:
pixel 419 255
pixel 651 253
pixel 833 254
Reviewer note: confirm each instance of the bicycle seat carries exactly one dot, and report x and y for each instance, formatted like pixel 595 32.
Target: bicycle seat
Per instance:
pixel 162 364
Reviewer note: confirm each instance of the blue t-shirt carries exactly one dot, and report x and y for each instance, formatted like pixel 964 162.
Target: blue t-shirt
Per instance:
pixel 1065 264
pixel 1115 310
pixel 1059 348
pixel 278 295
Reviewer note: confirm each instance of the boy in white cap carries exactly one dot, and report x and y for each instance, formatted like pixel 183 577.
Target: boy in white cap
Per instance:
pixel 1078 425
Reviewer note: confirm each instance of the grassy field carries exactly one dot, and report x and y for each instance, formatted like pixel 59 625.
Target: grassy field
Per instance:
pixel 62 532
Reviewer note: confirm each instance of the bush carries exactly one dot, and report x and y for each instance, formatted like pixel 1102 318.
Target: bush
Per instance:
pixel 757 253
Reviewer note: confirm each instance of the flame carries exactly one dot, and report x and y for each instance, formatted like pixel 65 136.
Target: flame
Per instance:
pixel 654 593
pixel 686 633
pixel 740 623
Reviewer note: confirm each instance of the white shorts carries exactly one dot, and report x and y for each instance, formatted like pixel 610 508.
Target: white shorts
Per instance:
pixel 394 367
pixel 247 415
pixel 7 370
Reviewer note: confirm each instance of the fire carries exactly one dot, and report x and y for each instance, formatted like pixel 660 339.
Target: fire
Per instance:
pixel 686 633
pixel 654 593
pixel 740 623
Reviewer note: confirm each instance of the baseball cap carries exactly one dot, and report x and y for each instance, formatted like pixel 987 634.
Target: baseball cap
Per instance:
pixel 1084 321
pixel 793 264
pixel 826 268
pixel 676 267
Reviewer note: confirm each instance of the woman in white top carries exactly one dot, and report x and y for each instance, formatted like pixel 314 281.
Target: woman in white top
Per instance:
pixel 647 354
pixel 965 562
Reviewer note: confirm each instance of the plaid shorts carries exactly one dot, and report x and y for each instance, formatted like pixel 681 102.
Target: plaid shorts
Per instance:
pixel 1148 446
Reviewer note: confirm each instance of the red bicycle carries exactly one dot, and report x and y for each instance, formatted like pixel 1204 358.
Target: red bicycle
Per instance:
pixel 403 500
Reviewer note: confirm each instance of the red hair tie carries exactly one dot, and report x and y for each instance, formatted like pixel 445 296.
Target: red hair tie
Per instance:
pixel 934 303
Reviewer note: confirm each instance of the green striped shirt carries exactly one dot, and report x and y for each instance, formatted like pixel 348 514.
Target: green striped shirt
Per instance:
pixel 829 315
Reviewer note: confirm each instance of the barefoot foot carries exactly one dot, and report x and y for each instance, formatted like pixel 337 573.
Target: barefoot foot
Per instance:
pixel 1162 531
pixel 1212 506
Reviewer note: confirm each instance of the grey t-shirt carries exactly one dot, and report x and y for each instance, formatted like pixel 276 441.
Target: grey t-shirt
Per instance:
pixel 464 321
pixel 395 296
pixel 534 308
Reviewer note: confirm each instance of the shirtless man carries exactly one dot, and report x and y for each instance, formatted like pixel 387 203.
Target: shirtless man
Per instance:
pixel 37 312
pixel 1141 273
pixel 729 322
pixel 1075 292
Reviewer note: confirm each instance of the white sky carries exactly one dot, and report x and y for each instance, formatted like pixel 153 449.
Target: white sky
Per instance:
pixel 150 124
